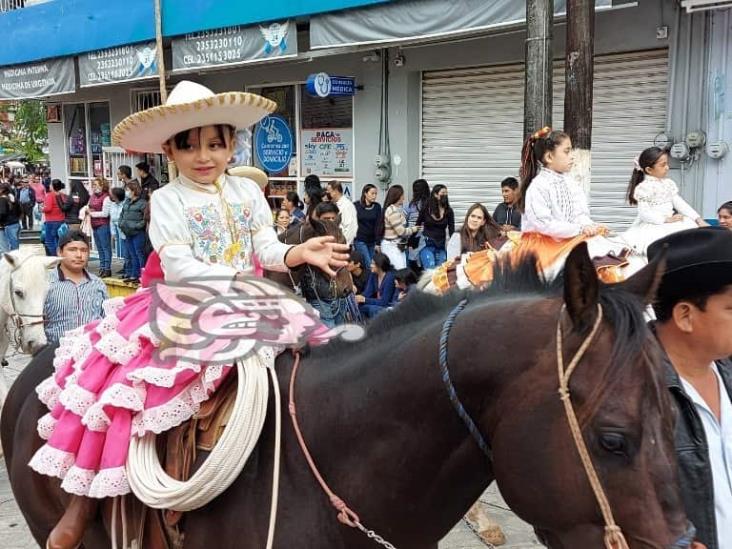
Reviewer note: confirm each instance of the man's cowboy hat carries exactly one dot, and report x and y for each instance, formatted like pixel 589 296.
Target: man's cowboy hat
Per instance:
pixel 250 172
pixel 189 105
pixel 696 259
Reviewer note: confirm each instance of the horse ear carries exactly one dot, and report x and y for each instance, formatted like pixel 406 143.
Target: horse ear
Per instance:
pixel 10 259
pixel 644 284
pixel 51 262
pixel 581 288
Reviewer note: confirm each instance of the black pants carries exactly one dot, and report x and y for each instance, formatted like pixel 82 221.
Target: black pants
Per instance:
pixel 26 215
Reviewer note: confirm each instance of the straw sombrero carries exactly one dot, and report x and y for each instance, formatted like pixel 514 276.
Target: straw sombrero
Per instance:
pixel 189 105
pixel 250 172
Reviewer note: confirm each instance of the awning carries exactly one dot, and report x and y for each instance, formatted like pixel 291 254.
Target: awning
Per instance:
pixel 42 79
pixel 234 46
pixel 419 20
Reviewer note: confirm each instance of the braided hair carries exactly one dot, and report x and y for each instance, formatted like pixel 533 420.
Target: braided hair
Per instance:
pixel 532 155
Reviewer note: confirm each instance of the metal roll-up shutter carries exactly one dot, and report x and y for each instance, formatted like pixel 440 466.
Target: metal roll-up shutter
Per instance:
pixel 629 111
pixel 471 132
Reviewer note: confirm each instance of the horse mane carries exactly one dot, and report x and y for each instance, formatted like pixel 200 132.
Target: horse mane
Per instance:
pixel 511 280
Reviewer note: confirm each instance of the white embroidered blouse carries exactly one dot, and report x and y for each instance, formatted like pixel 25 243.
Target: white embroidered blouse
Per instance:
pixel 657 200
pixel 201 232
pixel 555 206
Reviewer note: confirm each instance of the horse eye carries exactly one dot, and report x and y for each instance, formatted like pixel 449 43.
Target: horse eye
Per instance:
pixel 19 293
pixel 614 443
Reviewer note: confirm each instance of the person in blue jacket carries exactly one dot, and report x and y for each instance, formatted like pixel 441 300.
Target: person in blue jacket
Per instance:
pixel 380 288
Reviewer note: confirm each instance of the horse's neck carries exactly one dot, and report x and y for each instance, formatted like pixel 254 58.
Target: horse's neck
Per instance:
pixel 389 420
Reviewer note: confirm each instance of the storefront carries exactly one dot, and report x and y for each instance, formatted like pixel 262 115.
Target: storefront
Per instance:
pixel 321 131
pixel 86 128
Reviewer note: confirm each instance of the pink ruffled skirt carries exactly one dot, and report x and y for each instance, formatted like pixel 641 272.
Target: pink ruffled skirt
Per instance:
pixel 108 385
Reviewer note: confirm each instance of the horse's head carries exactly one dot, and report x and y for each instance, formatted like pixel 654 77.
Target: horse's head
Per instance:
pixel 624 415
pixel 326 227
pixel 23 288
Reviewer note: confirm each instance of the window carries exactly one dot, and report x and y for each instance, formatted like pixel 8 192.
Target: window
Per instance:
pixel 87 130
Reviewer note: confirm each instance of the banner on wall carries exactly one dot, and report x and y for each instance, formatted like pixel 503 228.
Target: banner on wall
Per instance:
pixel 234 45
pixel 328 152
pixel 51 77
pixel 122 64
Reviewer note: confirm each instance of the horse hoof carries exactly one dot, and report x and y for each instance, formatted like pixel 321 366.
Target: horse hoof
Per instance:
pixel 488 530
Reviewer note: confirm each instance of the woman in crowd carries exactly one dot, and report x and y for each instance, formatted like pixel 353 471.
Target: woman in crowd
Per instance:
pixel 438 220
pixel 368 213
pixel 132 223
pixel 420 195
pixel 313 196
pixel 282 221
pixel 99 210
pixel 54 216
pixel 392 230
pixel 9 218
pixel 117 199
pixel 479 231
pixel 380 288
pixel 661 210
pixel 294 207
pixel 724 215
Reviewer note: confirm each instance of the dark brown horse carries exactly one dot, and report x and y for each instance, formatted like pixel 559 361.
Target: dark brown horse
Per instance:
pixel 387 438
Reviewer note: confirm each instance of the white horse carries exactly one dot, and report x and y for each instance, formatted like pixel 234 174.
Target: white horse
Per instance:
pixel 23 288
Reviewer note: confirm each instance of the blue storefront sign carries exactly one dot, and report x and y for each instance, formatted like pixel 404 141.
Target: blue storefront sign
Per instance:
pixel 273 143
pixel 324 85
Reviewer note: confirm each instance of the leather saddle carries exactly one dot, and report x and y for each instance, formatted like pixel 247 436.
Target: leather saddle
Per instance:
pixel 179 449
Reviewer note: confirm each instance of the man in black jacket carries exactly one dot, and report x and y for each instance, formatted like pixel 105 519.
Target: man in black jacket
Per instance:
pixel 147 180
pixel 694 327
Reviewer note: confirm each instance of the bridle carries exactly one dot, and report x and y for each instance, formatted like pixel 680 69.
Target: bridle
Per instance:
pixel 614 538
pixel 20 321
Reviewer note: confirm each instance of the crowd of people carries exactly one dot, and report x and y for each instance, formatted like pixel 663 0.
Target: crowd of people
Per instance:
pixel 543 213
pixel 209 223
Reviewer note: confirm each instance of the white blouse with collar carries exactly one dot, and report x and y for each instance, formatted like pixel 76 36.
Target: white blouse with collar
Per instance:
pixel 199 231
pixel 555 206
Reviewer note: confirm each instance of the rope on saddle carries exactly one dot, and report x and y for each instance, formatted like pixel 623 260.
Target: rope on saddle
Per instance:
pixel 155 488
pixel 451 392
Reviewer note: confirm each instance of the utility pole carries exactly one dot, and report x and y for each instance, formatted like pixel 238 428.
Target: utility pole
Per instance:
pixel 538 83
pixel 159 48
pixel 579 77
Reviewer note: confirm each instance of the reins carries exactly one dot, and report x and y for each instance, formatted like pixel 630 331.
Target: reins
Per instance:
pixel 614 538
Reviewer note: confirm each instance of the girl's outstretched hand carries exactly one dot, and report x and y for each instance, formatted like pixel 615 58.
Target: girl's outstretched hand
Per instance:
pixel 322 252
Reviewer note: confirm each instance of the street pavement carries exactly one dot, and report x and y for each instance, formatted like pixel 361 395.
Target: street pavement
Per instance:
pixel 15 535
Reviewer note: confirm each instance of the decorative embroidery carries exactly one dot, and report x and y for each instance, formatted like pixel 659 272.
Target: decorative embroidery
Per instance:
pixel 212 238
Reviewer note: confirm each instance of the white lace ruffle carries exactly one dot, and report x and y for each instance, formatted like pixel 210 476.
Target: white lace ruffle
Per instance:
pixel 109 483
pixel 178 409
pixel 76 399
pixel 48 392
pixel 118 396
pixel 51 461
pixel 161 377
pixel 117 348
pixel 107 325
pixel 78 481
pixel 45 426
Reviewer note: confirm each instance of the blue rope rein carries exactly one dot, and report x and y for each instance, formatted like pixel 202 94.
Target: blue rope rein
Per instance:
pixel 459 408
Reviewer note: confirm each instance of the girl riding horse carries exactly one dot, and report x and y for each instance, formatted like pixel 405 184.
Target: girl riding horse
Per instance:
pixel 108 384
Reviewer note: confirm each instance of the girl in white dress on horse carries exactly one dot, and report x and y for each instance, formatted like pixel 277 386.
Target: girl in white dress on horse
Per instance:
pixel 661 210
